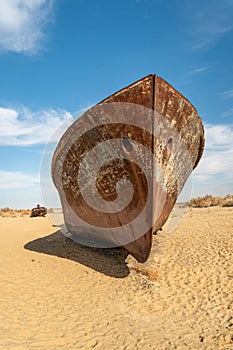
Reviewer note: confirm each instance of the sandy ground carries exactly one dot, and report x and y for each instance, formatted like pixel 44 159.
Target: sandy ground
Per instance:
pixel 56 294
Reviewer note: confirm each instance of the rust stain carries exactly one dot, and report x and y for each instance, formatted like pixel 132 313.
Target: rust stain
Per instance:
pixel 168 106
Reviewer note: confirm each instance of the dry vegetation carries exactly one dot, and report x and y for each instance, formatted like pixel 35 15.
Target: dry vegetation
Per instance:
pixel 199 202
pixel 14 213
pixel 149 273
pixel 211 201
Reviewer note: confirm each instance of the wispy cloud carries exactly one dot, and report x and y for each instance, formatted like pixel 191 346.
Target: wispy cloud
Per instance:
pixel 147 17
pixel 199 70
pixel 17 179
pixel 24 128
pixel 22 24
pixel 209 21
pixel 209 36
pixel 227 113
pixel 227 93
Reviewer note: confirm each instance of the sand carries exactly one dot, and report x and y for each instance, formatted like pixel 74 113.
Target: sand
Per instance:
pixel 56 294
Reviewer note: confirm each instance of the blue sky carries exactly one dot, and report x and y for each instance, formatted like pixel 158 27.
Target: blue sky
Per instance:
pixel 58 57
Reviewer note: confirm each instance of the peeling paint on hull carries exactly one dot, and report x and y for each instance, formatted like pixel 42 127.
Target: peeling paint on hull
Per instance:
pixel 160 145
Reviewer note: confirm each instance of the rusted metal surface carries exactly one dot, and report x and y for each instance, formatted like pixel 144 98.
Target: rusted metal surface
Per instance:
pixel 160 119
pixel 38 211
pixel 181 114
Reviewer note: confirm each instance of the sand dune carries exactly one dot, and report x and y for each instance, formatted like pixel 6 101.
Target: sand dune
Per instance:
pixel 56 294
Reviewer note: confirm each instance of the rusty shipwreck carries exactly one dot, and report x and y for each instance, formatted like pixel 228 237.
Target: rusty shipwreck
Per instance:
pixel 120 167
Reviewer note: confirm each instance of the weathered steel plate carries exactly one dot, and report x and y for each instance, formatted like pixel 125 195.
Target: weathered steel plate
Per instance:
pixel 120 167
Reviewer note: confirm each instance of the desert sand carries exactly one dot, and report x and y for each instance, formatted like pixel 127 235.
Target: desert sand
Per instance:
pixel 56 294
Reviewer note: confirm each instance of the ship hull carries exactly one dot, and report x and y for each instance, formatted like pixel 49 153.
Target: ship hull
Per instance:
pixel 142 142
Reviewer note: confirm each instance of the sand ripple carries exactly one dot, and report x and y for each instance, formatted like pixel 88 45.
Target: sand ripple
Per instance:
pixel 56 294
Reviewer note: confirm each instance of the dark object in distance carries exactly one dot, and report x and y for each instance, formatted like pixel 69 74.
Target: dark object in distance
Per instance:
pixel 38 211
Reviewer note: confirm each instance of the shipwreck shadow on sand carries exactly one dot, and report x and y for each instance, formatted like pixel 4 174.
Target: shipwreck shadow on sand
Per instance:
pixel 109 261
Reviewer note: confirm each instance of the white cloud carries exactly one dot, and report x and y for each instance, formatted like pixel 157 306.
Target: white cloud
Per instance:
pixel 22 23
pixel 24 128
pixel 220 135
pixel 216 166
pixel 17 179
pixel 215 163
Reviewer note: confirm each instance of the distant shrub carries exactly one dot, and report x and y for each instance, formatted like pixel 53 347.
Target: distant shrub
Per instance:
pixel 229 197
pixel 228 203
pixel 8 212
pixel 211 201
pixel 4 210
